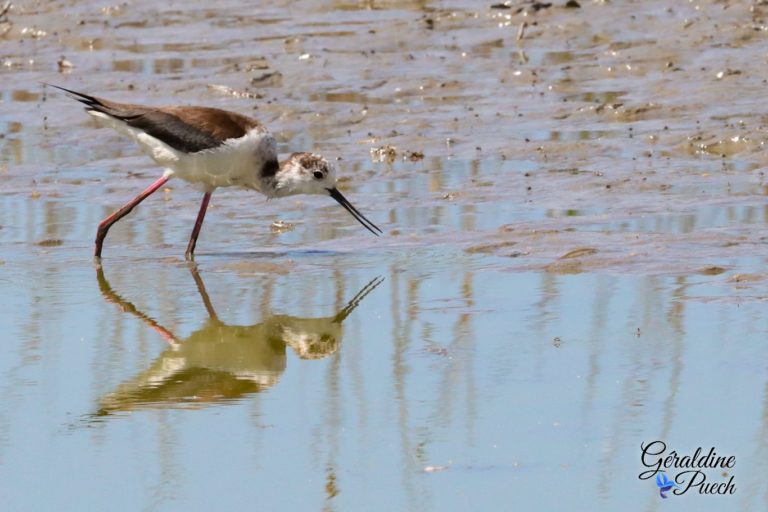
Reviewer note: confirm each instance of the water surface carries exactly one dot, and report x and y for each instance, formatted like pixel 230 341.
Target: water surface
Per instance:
pixel 573 260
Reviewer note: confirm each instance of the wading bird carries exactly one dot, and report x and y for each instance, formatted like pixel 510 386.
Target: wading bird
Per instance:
pixel 213 148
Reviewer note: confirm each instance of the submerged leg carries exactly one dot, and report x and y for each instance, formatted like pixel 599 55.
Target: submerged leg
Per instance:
pixel 190 254
pixel 104 226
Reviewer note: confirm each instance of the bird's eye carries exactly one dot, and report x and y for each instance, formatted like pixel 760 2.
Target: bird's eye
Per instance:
pixel 318 175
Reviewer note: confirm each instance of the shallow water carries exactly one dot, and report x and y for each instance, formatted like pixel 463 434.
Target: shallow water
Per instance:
pixel 573 268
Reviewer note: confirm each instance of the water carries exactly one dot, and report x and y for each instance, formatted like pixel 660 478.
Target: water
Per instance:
pixel 574 268
pixel 442 385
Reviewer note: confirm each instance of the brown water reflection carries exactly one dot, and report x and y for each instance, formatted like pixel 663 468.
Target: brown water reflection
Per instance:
pixel 221 362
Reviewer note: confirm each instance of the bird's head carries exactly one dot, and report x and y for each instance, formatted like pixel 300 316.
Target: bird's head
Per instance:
pixel 305 173
pixel 310 173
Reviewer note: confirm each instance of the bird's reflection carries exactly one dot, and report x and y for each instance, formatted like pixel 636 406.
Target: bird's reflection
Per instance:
pixel 221 362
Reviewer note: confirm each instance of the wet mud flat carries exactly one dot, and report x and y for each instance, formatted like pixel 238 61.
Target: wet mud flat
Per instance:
pixel 591 129
pixel 573 199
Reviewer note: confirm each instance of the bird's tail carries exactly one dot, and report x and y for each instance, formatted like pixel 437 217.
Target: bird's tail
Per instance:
pixel 93 104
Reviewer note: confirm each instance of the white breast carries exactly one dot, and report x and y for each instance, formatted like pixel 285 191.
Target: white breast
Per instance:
pixel 237 162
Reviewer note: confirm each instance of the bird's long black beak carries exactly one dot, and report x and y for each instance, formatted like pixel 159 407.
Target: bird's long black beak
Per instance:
pixel 370 226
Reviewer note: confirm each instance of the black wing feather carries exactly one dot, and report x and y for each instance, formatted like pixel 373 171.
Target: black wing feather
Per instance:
pixel 163 126
pixel 173 131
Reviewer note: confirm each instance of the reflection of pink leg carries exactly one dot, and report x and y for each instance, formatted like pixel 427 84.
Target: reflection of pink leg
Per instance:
pixel 104 226
pixel 190 254
pixel 128 307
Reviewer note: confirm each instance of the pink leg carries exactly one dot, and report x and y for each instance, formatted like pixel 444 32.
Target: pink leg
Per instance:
pixel 104 226
pixel 190 254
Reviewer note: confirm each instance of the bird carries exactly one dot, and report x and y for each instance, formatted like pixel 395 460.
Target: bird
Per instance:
pixel 212 148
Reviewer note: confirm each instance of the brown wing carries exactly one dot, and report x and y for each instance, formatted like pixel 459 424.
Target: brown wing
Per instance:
pixel 187 129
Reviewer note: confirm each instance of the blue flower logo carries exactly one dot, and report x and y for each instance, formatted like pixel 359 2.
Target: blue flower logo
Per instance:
pixel 664 484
